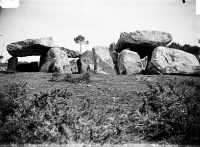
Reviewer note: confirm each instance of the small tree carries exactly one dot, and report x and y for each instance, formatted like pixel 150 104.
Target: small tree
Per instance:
pixel 80 40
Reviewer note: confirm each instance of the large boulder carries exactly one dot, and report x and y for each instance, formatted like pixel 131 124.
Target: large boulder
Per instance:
pixel 70 53
pixel 12 64
pixel 129 62
pixel 143 42
pixel 103 62
pixel 55 61
pixel 86 63
pixel 172 61
pixel 30 47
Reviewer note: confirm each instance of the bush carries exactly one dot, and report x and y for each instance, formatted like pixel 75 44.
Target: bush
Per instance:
pixel 55 117
pixel 70 78
pixel 170 113
pixel 55 76
pixel 32 120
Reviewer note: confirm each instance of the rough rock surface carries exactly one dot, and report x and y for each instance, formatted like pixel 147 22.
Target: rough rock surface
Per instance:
pixel 30 47
pixel 74 65
pixel 129 62
pixel 172 61
pixel 144 62
pixel 112 47
pixel 86 63
pixel 114 55
pixel 12 64
pixel 70 53
pixel 55 61
pixel 143 42
pixel 102 60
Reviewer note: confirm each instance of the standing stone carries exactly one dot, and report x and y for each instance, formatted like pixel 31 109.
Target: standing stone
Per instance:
pixel 103 61
pixel 114 56
pixel 143 42
pixel 55 61
pixel 112 47
pixel 74 65
pixel 172 61
pixel 43 60
pixel 12 64
pixel 86 63
pixel 129 63
pixel 144 62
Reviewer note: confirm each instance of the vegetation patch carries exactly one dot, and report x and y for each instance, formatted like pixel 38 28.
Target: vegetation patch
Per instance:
pixel 169 113
pixel 71 78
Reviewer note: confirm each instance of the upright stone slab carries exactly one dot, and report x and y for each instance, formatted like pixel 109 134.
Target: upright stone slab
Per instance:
pixel 114 55
pixel 144 62
pixel 129 62
pixel 55 61
pixel 12 64
pixel 86 63
pixel 103 62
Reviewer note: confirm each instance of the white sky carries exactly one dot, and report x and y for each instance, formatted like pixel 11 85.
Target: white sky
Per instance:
pixel 100 21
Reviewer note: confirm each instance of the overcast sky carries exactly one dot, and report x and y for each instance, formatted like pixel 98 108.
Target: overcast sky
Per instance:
pixel 100 21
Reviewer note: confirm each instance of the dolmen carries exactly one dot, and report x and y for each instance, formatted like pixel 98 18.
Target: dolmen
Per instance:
pixel 52 58
pixel 139 52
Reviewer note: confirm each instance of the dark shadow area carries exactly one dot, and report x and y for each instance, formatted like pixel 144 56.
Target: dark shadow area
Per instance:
pixel 28 67
pixel 143 51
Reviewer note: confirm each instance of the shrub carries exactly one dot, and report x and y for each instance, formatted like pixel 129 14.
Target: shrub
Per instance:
pixel 84 78
pixel 55 117
pixel 9 72
pixel 55 76
pixel 170 113
pixel 32 120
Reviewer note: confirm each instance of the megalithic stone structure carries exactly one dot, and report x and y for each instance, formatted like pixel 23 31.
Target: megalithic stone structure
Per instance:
pixel 12 64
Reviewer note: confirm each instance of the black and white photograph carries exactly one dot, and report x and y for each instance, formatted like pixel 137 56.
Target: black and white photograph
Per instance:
pixel 88 73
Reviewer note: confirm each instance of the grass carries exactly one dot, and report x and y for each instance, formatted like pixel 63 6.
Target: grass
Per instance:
pixel 101 110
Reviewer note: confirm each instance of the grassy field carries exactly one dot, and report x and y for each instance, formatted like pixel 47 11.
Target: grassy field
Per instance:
pixel 102 110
